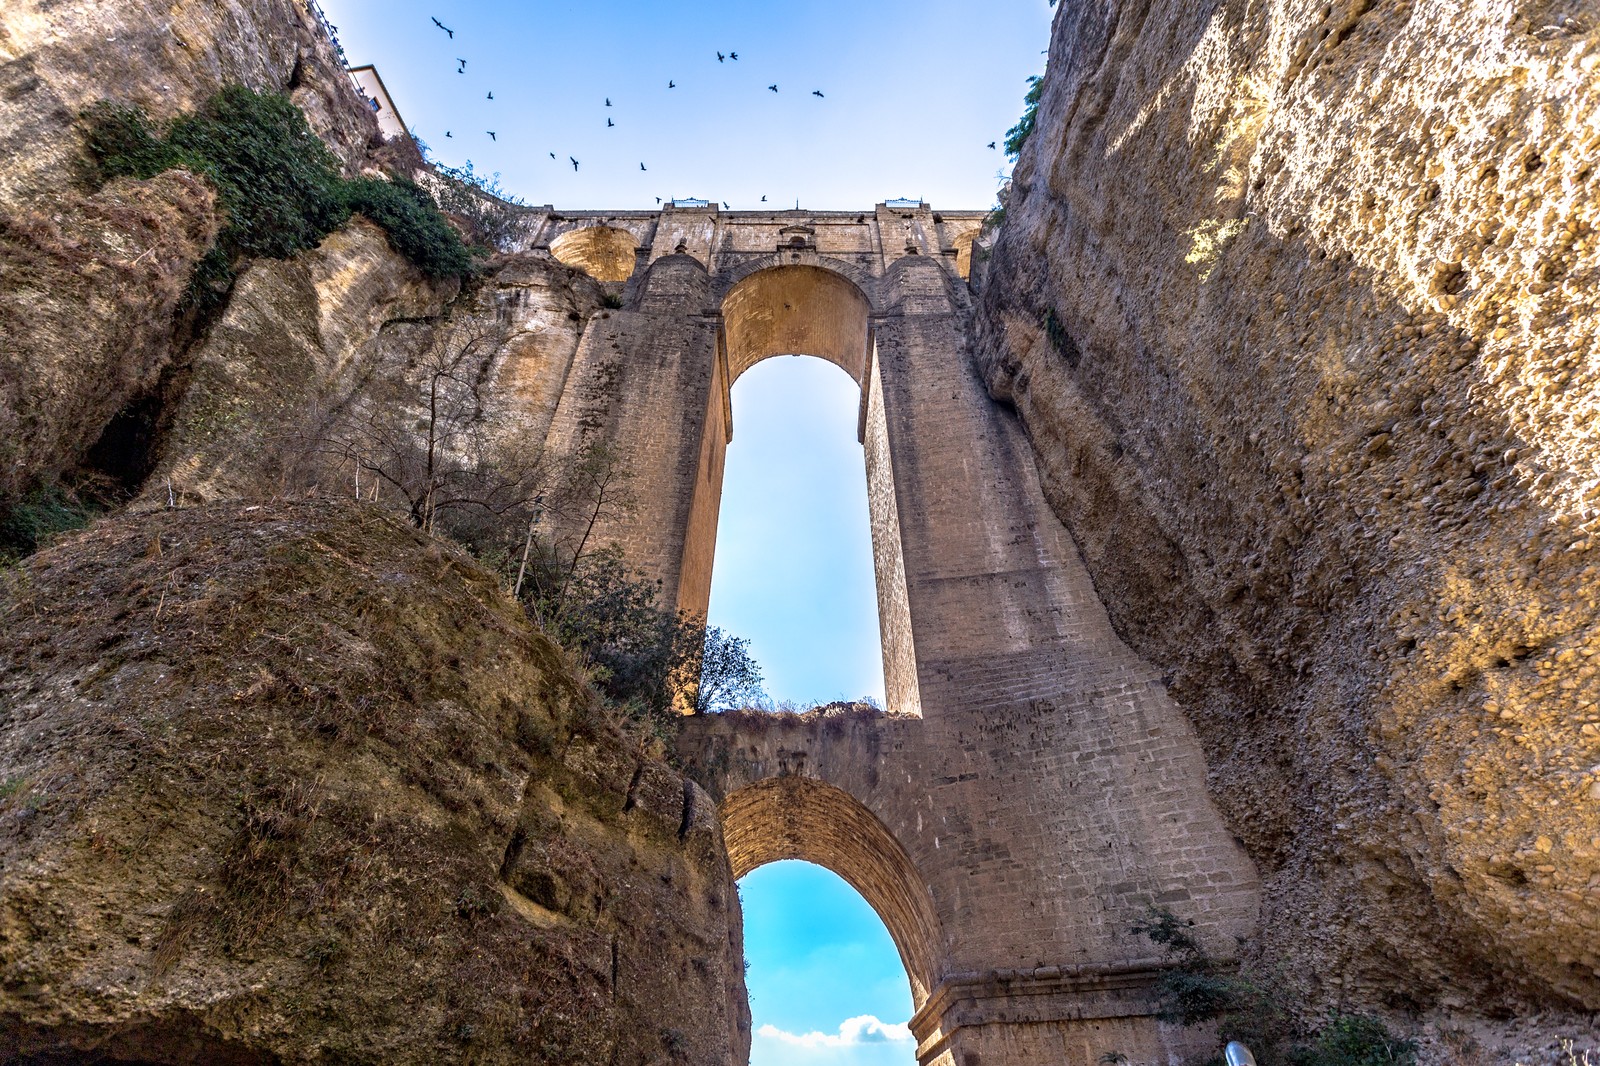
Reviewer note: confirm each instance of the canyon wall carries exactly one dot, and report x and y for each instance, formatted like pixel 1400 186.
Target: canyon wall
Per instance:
pixel 1298 302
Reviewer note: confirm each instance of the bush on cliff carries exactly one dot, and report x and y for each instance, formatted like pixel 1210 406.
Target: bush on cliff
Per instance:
pixel 1197 990
pixel 278 183
pixel 1018 135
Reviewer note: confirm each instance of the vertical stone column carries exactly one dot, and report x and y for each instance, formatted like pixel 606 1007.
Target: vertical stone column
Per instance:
pixel 642 384
pixel 1062 793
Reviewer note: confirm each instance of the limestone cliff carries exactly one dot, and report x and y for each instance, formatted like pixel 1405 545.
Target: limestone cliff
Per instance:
pixel 59 58
pixel 1298 302
pixel 300 784
pixel 91 283
pixel 304 341
pixel 89 291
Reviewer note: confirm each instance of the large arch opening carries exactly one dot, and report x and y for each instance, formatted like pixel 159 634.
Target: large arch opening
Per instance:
pixel 802 818
pixel 824 980
pixel 803 309
pixel 796 310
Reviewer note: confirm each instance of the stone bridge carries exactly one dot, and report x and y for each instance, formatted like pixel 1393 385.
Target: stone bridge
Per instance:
pixel 1032 789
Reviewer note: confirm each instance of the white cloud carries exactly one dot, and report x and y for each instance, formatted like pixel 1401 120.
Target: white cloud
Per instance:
pixel 864 1029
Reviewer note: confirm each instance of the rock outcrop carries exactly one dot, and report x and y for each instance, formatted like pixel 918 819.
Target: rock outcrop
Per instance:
pixel 89 292
pixel 1300 304
pixel 57 59
pixel 304 342
pixel 298 784
pixel 92 283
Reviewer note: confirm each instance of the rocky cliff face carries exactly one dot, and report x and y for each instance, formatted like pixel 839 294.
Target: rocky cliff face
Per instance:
pixel 96 342
pixel 299 784
pixel 89 292
pixel 326 795
pixel 59 58
pixel 1300 304
pixel 304 343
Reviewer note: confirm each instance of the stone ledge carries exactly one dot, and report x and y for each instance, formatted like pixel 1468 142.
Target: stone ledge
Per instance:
pixel 1084 992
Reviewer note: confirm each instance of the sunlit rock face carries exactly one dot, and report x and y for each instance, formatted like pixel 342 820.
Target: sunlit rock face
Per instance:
pixel 89 289
pixel 297 783
pixel 1301 304
pixel 92 283
pixel 304 342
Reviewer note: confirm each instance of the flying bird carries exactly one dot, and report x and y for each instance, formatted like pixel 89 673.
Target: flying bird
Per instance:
pixel 725 206
pixel 641 166
pixel 991 144
pixel 733 56
pixel 445 28
pixel 609 123
pixel 447 133
pixel 492 137
pixel 672 84
pixel 774 88
pixel 462 69
pixel 720 57
pixel 574 163
pixel 763 199
pixel 608 101
pixel 491 96
pixel 552 155
pixel 658 201
pixel 817 93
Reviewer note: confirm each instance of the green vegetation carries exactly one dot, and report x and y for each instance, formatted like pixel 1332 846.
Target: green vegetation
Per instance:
pixel 415 227
pixel 278 184
pixel 31 521
pixel 1196 990
pixel 1354 1040
pixel 650 662
pixel 1018 135
pixel 495 217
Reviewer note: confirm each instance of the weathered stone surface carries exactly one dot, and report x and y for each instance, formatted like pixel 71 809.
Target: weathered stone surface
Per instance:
pixel 88 293
pixel 302 341
pixel 90 284
pixel 300 784
pixel 1299 305
pixel 59 58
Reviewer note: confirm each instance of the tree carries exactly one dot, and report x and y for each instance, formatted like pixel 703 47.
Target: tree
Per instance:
pixel 433 432
pixel 724 674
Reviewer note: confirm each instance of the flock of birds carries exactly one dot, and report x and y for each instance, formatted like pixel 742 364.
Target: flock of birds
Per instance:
pixel 461 68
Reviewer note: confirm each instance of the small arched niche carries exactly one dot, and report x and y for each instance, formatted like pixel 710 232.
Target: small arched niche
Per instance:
pixel 802 818
pixel 791 310
pixel 603 252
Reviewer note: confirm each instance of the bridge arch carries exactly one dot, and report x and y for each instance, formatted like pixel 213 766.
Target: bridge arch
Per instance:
pixel 605 253
pixel 804 304
pixel 796 309
pixel 802 818
pixel 963 243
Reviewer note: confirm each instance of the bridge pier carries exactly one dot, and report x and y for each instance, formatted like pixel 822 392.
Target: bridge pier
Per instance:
pixel 1036 791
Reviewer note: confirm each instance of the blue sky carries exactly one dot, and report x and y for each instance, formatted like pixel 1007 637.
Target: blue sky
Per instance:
pixel 913 93
pixel 826 984
pixel 914 90
pixel 793 570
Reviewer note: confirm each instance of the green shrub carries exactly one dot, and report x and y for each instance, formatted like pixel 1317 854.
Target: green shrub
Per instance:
pixel 31 521
pixel 1018 135
pixel 277 183
pixel 1355 1040
pixel 415 227
pixel 1194 990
